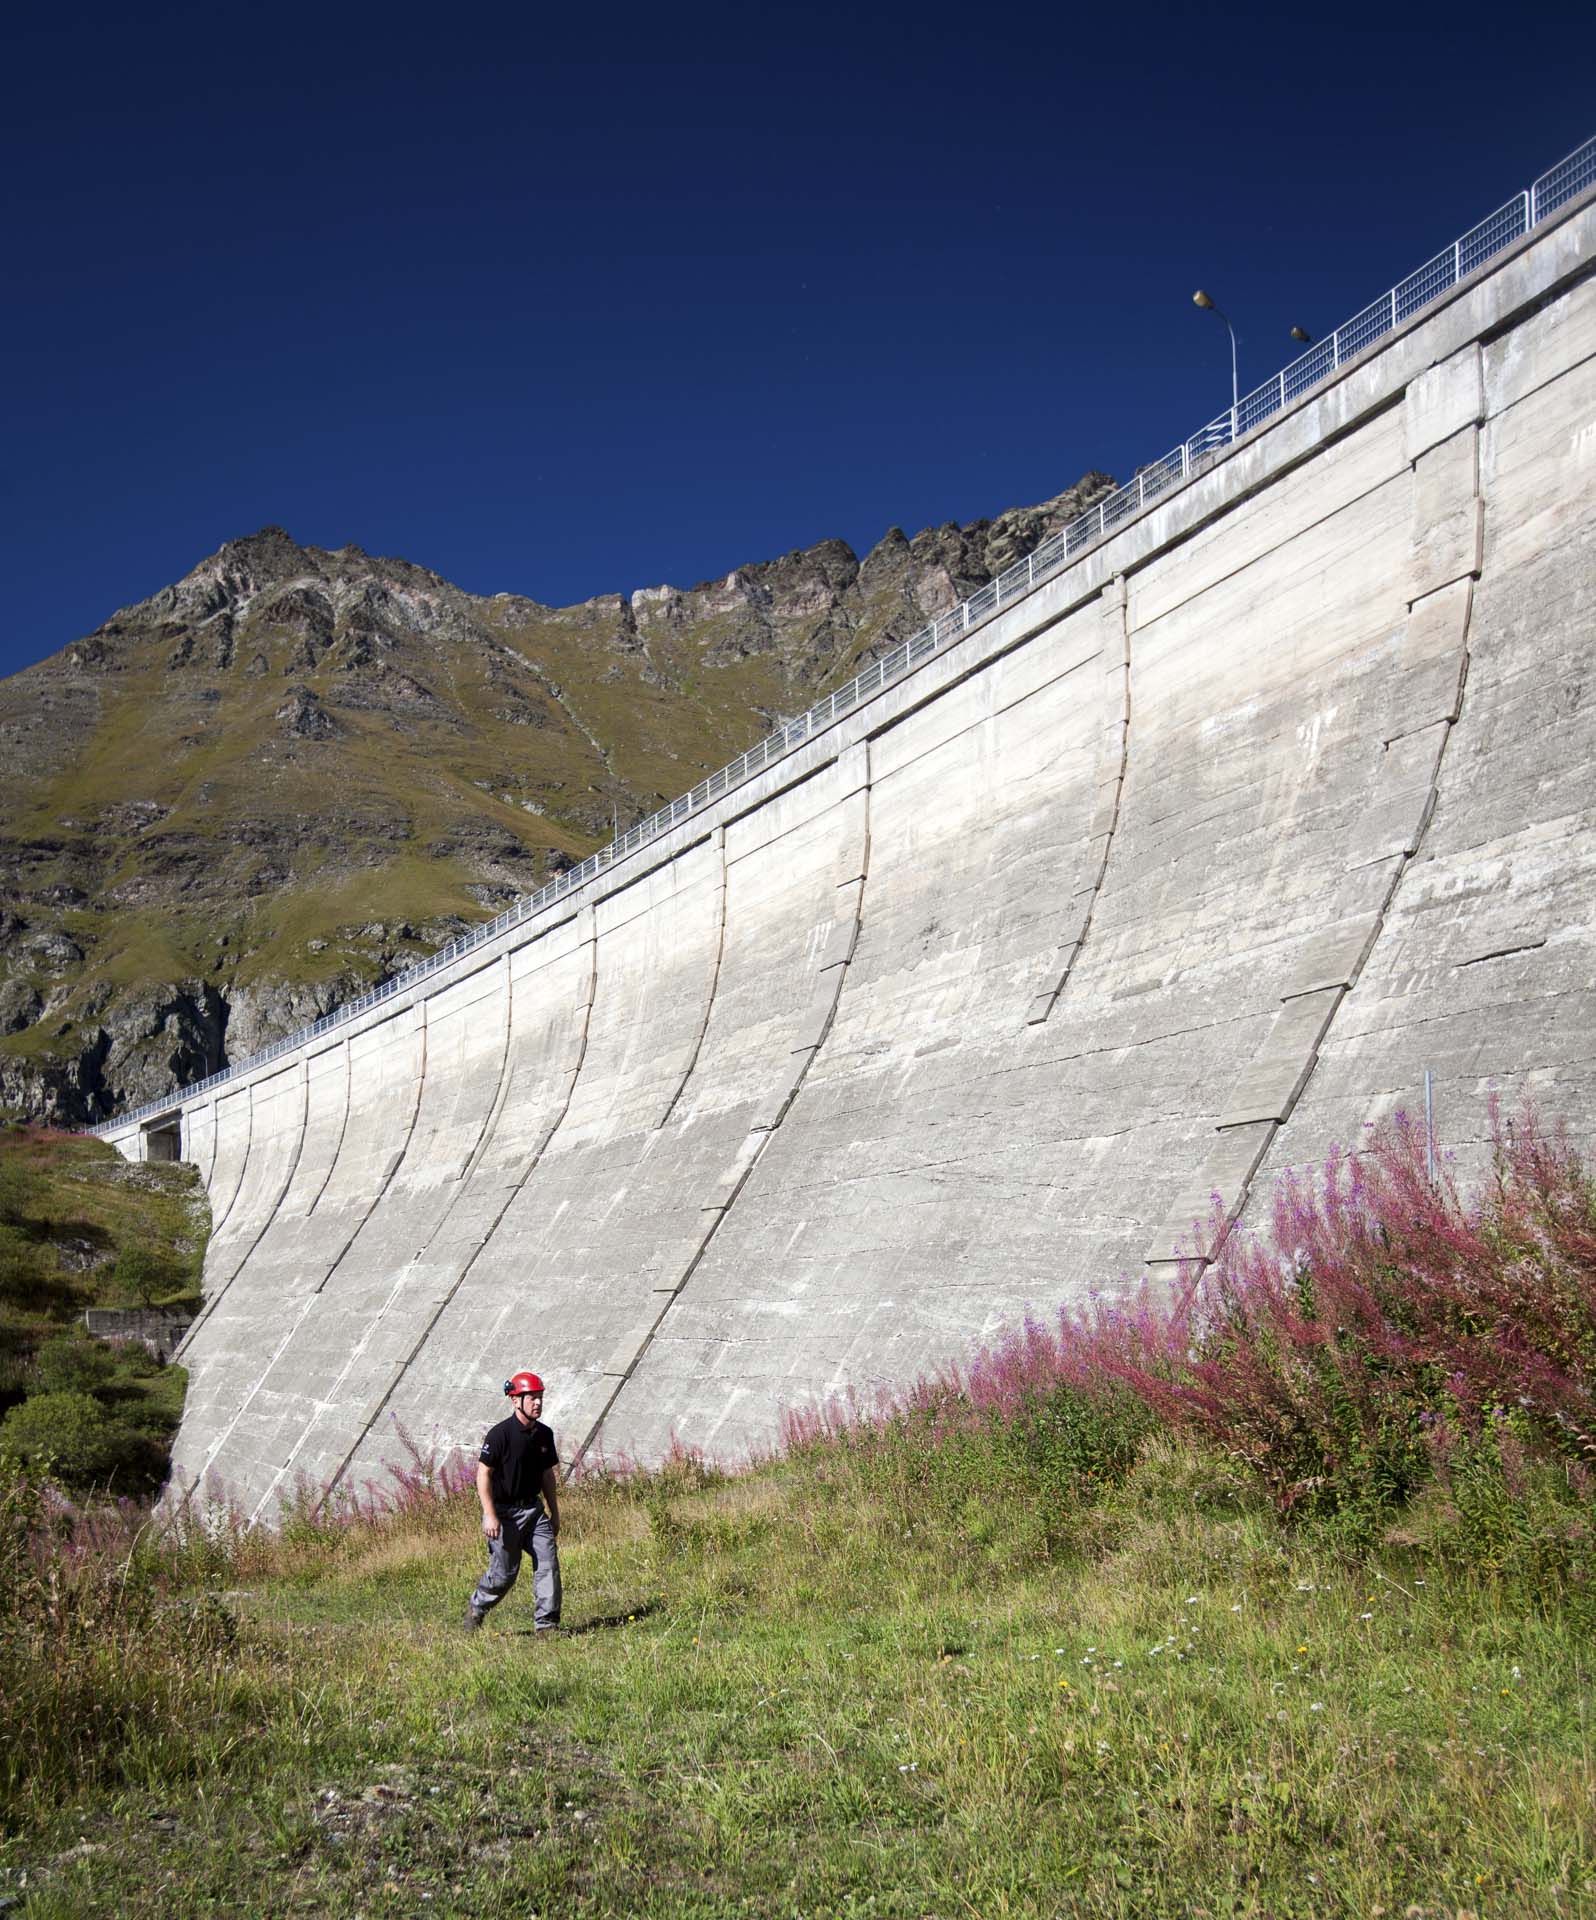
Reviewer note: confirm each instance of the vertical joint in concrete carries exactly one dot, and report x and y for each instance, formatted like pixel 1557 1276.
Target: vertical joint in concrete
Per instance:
pixel 1113 760
pixel 717 843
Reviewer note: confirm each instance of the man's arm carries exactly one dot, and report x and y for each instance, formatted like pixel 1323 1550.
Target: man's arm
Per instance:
pixel 490 1519
pixel 551 1496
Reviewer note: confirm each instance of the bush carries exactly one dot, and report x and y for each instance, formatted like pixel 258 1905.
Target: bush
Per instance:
pixel 1381 1303
pixel 145 1278
pixel 74 1363
pixel 1006 1453
pixel 70 1436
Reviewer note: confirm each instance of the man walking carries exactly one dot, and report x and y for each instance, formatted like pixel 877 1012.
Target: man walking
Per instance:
pixel 520 1506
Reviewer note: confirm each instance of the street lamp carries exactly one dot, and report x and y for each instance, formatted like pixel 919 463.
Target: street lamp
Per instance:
pixel 1203 300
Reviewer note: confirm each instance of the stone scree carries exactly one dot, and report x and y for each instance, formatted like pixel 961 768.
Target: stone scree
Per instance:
pixel 1002 990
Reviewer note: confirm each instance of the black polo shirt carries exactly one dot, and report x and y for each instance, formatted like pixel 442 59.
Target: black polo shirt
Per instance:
pixel 517 1458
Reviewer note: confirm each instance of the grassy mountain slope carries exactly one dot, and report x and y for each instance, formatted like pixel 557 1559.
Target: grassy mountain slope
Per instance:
pixel 297 770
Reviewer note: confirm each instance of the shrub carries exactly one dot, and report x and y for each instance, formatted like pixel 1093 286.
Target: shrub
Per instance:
pixel 1380 1302
pixel 73 1363
pixel 70 1436
pixel 1004 1453
pixel 147 1278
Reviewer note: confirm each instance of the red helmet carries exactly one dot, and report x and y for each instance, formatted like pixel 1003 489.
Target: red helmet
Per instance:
pixel 519 1383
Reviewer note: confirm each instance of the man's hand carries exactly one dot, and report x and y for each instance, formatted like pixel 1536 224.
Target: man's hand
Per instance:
pixel 490 1513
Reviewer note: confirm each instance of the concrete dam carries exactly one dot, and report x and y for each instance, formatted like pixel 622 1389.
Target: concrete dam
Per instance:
pixel 1152 881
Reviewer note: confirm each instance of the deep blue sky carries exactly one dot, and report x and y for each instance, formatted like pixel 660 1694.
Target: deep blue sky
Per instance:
pixel 564 302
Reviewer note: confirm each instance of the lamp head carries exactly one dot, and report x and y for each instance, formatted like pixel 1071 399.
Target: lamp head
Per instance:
pixel 1302 335
pixel 1201 299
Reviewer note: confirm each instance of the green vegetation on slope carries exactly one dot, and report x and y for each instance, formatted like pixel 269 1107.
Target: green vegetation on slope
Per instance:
pixel 81 1227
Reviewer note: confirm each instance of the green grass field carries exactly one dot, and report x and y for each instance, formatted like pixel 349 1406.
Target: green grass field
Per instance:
pixel 776 1698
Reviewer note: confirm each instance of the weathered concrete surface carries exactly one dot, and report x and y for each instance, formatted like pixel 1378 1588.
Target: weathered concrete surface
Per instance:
pixel 1158 883
pixel 1485 971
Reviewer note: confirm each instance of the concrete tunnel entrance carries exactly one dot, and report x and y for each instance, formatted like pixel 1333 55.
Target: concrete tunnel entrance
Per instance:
pixel 163 1138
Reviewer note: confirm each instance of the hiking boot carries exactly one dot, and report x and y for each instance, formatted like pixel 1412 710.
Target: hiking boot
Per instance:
pixel 474 1617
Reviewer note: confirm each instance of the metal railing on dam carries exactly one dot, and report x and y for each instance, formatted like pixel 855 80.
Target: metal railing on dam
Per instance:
pixel 1400 304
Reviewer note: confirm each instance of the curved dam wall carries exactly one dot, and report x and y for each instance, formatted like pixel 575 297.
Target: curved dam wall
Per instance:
pixel 1159 883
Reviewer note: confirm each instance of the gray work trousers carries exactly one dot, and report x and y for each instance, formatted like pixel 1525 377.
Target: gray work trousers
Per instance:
pixel 523 1530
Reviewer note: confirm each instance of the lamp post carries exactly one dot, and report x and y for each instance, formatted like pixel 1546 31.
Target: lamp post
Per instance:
pixel 1203 300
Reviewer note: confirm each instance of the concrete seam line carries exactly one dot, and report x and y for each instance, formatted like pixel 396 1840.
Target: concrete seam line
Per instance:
pixel 243 1165
pixel 1117 700
pixel 718 1218
pixel 343 1128
pixel 501 1094
pixel 511 1194
pixel 395 1161
pixel 249 1398
pixel 718 840
pixel 1266 487
pixel 1404 863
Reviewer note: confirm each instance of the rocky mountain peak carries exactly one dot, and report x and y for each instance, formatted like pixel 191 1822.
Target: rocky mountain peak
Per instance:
pixel 227 580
